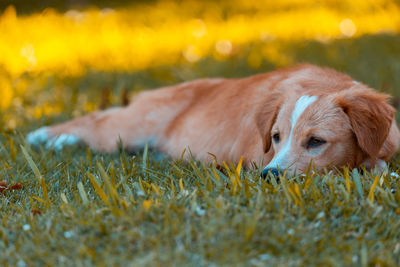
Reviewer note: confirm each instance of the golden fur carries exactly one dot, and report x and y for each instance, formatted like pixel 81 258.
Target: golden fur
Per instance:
pixel 234 118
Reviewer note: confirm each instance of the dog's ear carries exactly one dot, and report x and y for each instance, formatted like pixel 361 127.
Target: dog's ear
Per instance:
pixel 265 118
pixel 370 117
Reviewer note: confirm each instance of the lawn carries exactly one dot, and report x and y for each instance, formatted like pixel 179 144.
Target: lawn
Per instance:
pixel 82 208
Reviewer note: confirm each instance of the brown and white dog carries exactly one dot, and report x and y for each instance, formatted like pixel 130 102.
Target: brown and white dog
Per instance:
pixel 282 120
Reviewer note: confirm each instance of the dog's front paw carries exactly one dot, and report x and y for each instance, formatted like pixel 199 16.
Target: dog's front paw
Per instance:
pixel 379 167
pixel 58 142
pixel 43 136
pixel 38 136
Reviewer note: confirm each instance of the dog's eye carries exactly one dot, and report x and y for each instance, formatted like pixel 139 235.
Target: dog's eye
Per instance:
pixel 315 142
pixel 276 137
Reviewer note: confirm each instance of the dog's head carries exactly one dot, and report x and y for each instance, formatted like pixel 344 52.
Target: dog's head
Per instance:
pixel 329 130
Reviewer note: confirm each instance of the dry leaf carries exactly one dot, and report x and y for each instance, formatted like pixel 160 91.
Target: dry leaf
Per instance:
pixel 4 187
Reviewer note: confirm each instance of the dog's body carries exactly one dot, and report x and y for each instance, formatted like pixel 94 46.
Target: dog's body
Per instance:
pixel 285 118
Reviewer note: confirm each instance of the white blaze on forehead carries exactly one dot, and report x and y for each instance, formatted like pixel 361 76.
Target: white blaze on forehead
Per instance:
pixel 301 105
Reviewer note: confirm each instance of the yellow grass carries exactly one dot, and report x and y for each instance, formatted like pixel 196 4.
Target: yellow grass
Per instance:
pixel 142 36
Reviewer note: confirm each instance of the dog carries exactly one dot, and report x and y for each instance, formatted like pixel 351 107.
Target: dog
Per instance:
pixel 282 120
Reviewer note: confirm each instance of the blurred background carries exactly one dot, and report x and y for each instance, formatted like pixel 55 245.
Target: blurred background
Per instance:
pixel 61 58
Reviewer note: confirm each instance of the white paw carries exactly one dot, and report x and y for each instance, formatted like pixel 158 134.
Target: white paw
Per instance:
pixel 42 136
pixel 380 166
pixel 38 136
pixel 58 142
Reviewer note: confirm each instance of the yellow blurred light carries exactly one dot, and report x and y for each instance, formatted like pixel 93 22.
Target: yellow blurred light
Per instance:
pixel 347 27
pixel 191 54
pixel 28 52
pixel 166 32
pixel 147 36
pixel 198 28
pixel 224 47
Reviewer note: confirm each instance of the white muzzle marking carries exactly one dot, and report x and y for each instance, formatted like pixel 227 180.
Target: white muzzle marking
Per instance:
pixel 280 159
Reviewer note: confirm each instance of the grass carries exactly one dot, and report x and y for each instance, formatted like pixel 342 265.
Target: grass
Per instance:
pixel 92 209
pixel 78 207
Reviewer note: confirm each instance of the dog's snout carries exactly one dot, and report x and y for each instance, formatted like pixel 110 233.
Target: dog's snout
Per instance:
pixel 266 171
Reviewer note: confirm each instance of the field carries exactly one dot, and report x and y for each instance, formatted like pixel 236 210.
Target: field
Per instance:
pixel 82 208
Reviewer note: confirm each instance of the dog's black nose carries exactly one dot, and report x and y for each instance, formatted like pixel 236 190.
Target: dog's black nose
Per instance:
pixel 266 171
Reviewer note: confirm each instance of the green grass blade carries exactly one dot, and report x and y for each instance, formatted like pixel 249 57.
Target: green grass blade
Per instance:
pixel 357 180
pixel 36 171
pixel 98 189
pixel 82 193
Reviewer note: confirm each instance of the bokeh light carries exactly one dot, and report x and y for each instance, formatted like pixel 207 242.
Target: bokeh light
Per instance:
pixel 141 36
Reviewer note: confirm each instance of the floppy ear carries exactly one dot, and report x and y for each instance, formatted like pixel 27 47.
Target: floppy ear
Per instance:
pixel 265 118
pixel 370 116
